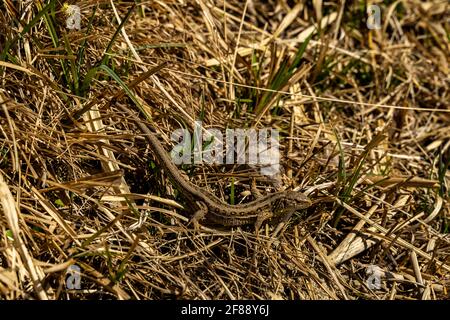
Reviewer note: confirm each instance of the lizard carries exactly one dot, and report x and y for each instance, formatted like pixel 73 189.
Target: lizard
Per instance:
pixel 206 205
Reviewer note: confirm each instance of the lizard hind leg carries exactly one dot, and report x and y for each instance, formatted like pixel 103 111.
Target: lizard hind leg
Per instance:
pixel 263 216
pixel 199 215
pixel 254 190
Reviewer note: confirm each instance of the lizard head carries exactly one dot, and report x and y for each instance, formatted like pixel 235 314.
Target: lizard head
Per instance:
pixel 297 200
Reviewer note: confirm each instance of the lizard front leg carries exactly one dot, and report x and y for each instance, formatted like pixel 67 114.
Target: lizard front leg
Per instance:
pixel 266 213
pixel 262 216
pixel 199 214
pixel 254 190
pixel 285 215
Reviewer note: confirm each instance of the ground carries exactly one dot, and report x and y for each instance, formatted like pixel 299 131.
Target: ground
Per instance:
pixel 360 102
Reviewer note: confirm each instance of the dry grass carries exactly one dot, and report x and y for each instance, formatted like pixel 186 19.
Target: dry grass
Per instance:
pixel 363 115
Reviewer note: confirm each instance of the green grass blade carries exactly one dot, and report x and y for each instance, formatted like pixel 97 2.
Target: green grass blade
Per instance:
pixel 83 45
pixel 26 29
pixel 123 85
pixel 105 57
pixel 104 61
